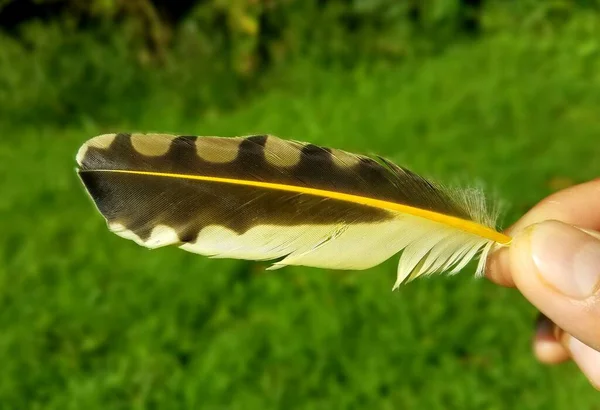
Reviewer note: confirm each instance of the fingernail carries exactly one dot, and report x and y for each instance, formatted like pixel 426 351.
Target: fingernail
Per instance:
pixel 567 258
pixel 587 359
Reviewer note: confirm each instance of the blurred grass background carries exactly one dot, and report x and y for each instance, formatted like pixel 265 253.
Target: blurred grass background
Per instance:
pixel 504 94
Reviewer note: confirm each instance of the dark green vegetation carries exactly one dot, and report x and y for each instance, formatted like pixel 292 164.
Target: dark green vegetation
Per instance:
pixel 91 321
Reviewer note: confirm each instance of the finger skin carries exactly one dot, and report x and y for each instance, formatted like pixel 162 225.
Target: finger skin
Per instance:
pixel 553 345
pixel 546 347
pixel 578 205
pixel 580 319
pixel 586 358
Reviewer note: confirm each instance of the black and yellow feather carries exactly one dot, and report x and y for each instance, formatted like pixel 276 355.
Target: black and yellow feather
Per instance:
pixel 262 198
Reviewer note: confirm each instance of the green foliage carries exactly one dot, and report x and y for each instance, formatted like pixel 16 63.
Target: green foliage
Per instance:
pixel 58 75
pixel 91 321
pixel 221 52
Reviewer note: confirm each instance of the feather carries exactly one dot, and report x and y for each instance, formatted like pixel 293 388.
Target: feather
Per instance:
pixel 264 198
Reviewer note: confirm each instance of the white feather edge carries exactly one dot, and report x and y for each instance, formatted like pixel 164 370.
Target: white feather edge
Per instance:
pixel 427 247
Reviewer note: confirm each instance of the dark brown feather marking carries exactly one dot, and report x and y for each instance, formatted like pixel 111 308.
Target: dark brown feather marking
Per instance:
pixel 141 202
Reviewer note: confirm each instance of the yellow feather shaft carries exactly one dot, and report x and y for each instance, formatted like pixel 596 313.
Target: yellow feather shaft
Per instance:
pixel 458 223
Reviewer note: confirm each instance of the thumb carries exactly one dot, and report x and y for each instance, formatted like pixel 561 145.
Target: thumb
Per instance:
pixel 557 268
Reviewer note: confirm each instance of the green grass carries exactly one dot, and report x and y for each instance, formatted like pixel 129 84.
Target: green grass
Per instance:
pixel 91 321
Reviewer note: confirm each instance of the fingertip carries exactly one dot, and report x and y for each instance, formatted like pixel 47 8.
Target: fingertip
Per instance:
pixel 550 352
pixel 497 268
pixel 546 347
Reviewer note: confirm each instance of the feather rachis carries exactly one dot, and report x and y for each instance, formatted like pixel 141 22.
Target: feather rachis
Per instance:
pixel 306 204
pixel 459 223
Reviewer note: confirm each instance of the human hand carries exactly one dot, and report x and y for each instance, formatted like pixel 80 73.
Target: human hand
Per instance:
pixel 556 266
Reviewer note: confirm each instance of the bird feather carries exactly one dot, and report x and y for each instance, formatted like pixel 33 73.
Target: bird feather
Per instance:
pixel 260 197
